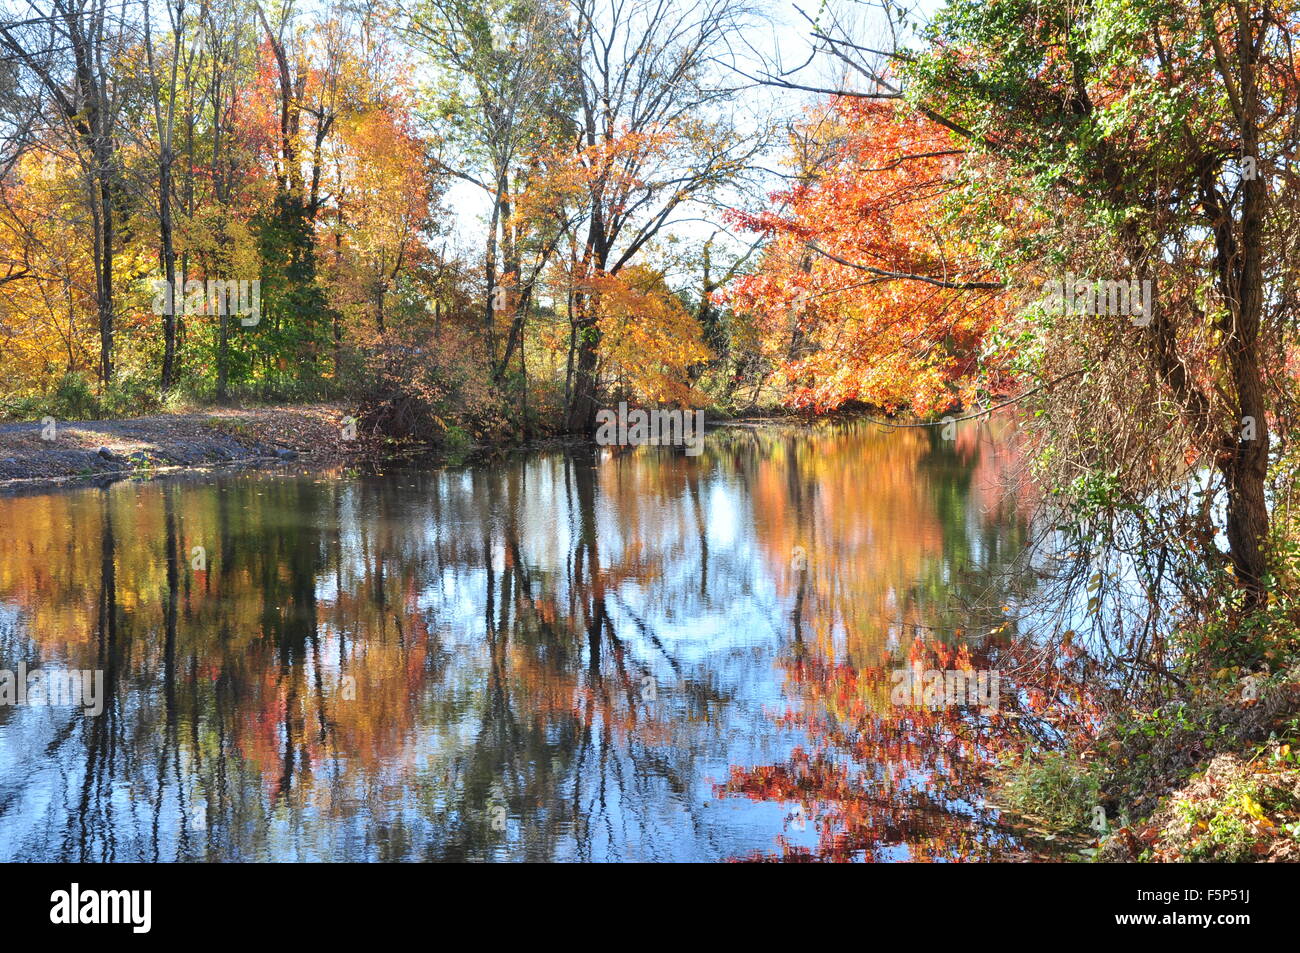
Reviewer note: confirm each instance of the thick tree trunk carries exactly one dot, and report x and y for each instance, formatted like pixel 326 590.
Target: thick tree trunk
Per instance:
pixel 581 412
pixel 1247 528
pixel 582 405
pixel 1247 470
pixel 1240 266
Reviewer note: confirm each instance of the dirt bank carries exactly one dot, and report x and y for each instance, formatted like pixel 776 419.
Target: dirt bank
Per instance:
pixel 34 453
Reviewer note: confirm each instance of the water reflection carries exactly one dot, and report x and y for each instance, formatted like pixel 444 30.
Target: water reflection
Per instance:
pixel 573 656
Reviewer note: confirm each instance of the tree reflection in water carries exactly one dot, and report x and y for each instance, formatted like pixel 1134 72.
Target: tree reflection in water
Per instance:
pixel 566 656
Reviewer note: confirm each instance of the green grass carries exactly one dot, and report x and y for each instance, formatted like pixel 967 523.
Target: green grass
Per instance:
pixel 1054 788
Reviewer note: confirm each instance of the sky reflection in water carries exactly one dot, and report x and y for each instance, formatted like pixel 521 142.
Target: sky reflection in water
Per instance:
pixel 577 656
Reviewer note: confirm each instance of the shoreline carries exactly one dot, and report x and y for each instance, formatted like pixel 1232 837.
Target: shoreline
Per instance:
pixel 208 439
pixel 36 455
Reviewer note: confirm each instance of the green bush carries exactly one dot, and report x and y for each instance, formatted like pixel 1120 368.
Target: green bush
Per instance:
pixel 131 395
pixel 73 398
pixel 24 407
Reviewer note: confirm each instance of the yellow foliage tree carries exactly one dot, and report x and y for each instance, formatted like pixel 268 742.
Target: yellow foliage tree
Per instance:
pixel 649 341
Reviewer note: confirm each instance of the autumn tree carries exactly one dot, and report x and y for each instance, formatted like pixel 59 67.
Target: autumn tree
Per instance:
pixel 70 50
pixel 500 101
pixel 864 292
pixel 1145 143
pixel 164 97
pixel 653 134
pixel 649 339
pixel 225 186
pixel 1168 133
pixel 381 192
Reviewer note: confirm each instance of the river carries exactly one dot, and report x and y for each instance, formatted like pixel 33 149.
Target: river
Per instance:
pixel 562 655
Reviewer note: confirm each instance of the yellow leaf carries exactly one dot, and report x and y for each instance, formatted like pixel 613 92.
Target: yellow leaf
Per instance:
pixel 1254 809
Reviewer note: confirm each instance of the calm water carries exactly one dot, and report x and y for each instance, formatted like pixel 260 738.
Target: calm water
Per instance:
pixel 569 656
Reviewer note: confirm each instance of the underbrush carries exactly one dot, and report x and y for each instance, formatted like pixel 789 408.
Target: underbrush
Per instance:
pixel 1234 811
pixel 423 390
pixel 1209 771
pixel 75 397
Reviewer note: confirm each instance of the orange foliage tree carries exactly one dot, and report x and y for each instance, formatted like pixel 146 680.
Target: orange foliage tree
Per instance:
pixel 865 293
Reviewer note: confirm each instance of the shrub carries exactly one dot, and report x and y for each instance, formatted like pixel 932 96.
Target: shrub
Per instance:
pixel 23 407
pixel 73 398
pixel 131 394
pixel 426 389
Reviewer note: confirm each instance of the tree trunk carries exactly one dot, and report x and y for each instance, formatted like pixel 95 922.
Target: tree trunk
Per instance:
pixel 581 417
pixel 1247 468
pixel 168 254
pixel 1240 266
pixel 104 284
pixel 1247 522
